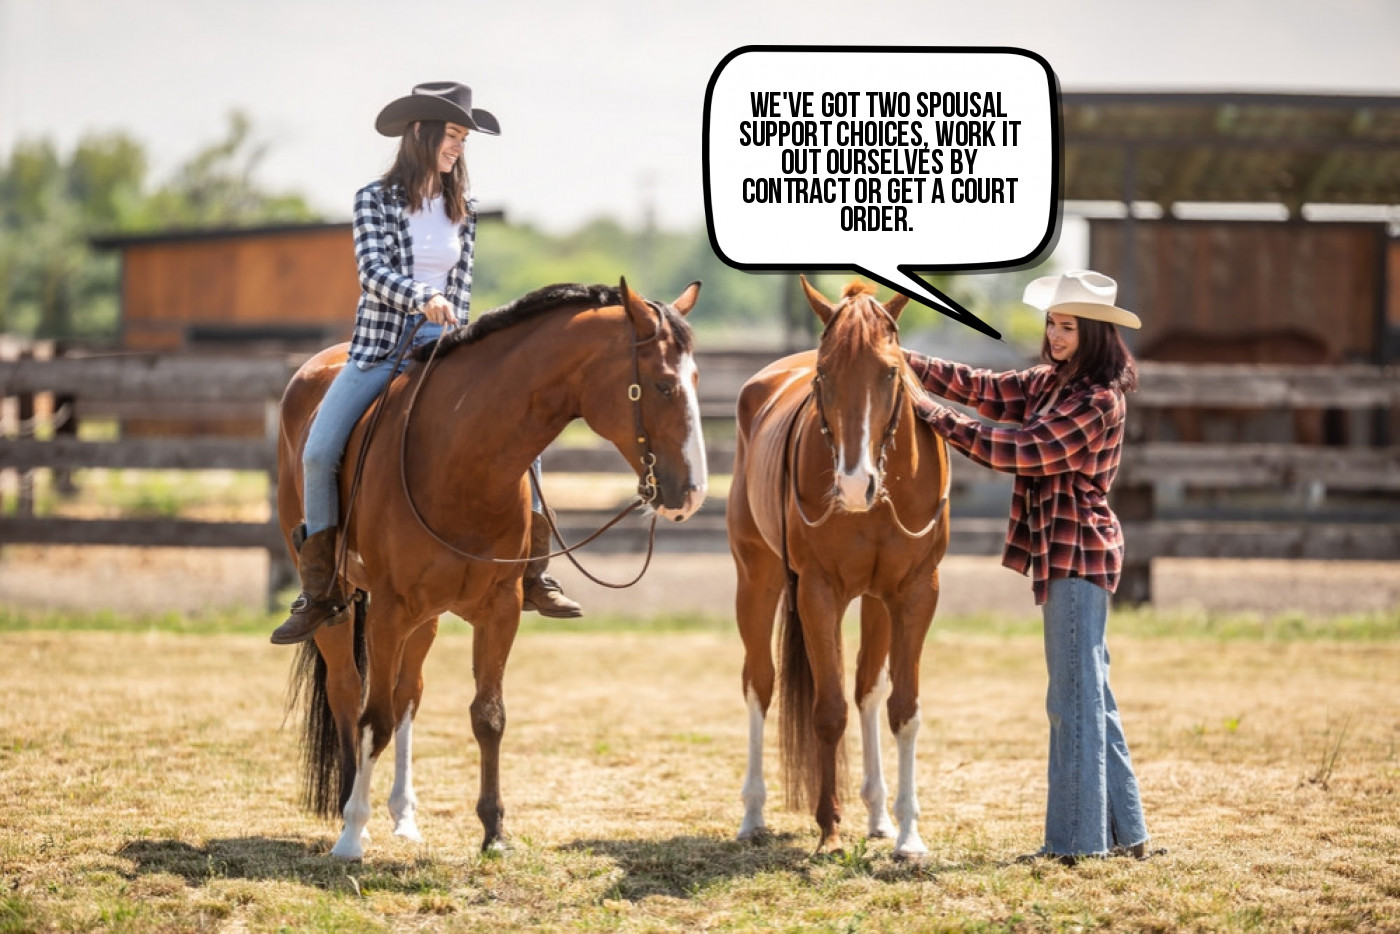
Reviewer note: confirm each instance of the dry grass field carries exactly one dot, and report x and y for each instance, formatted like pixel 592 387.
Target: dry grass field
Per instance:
pixel 148 784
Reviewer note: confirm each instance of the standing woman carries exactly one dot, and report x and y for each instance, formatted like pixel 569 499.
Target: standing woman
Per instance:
pixel 1063 444
pixel 415 236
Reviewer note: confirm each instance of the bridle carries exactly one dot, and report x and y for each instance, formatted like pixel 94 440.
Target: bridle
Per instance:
pixel 814 397
pixel 647 486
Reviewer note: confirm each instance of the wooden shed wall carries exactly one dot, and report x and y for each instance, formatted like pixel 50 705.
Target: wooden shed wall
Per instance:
pixel 265 282
pixel 1233 278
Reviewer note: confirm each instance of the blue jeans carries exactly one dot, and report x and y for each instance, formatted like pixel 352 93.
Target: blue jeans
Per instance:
pixel 350 394
pixel 1093 803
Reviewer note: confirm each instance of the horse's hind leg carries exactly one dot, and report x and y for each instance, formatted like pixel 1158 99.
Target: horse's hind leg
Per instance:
pixel 408 696
pixel 872 688
pixel 760 587
pixel 343 692
pixel 384 634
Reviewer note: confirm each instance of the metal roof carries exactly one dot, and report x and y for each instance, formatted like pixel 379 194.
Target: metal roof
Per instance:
pixel 1228 147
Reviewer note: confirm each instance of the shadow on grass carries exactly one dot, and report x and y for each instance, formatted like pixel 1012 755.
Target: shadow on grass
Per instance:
pixel 281 860
pixel 683 867
pixel 687 867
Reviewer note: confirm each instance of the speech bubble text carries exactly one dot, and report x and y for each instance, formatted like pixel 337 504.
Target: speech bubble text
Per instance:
pixel 884 160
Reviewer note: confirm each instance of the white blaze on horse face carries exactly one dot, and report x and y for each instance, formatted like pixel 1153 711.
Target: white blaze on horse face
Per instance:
pixel 858 482
pixel 693 450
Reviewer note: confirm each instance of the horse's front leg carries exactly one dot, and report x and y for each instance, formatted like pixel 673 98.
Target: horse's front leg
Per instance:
pixel 910 619
pixel 872 688
pixel 760 583
pixel 821 611
pixel 408 697
pixel 493 634
pixel 384 634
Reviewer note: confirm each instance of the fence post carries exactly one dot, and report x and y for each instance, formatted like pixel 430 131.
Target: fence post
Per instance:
pixel 1133 505
pixel 281 574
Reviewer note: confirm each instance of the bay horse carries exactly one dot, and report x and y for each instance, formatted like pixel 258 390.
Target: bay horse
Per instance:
pixel 443 494
pixel 840 492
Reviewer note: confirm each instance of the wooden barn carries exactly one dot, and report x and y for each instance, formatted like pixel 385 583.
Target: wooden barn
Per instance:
pixel 280 288
pixel 1249 229
pixel 1312 284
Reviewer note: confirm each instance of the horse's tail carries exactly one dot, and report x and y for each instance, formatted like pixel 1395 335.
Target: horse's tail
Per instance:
pixel 801 766
pixel 321 793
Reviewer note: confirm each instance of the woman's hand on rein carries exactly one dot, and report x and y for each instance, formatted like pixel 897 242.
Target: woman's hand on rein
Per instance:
pixel 438 310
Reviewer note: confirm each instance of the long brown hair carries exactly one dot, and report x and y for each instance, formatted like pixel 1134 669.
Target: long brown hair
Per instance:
pixel 1102 358
pixel 415 166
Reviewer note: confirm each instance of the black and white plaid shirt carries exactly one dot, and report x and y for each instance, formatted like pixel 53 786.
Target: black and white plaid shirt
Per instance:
pixel 388 291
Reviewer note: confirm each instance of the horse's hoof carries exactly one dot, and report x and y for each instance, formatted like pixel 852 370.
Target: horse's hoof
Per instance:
pixel 911 855
pixel 884 831
pixel 408 830
pixel 495 849
pixel 348 853
pixel 757 836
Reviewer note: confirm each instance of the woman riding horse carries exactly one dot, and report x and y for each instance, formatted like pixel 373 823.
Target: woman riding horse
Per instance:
pixel 415 241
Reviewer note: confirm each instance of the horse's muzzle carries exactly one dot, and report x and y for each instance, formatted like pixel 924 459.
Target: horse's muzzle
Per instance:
pixel 858 491
pixel 680 507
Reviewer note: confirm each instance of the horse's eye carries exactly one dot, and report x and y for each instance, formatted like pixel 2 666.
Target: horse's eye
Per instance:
pixel 893 372
pixel 667 390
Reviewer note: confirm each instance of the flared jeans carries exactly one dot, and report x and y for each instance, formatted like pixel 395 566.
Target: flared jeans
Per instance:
pixel 1093 802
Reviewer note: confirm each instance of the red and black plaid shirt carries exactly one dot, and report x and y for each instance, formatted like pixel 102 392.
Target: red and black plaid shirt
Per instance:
pixel 1064 457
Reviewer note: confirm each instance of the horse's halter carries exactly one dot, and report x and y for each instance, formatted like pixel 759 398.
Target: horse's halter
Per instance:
pixel 795 440
pixel 895 413
pixel 647 488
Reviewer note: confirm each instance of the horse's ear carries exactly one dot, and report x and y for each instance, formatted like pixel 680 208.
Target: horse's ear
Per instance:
pixel 686 301
pixel 896 304
pixel 637 310
pixel 820 305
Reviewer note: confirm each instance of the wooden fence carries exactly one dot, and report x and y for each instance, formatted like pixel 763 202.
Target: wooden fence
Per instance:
pixel 203 388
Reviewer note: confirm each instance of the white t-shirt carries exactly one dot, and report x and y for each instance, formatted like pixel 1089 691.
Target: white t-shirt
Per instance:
pixel 437 244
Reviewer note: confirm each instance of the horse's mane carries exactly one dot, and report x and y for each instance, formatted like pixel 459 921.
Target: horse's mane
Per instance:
pixel 543 300
pixel 848 330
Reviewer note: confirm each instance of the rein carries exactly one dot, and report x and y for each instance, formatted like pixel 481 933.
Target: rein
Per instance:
pixel 647 487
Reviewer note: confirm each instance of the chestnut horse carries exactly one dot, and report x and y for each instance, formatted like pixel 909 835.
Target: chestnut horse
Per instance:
pixel 443 495
pixel 839 492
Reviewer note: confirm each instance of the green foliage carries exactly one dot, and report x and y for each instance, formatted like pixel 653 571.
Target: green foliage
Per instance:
pixel 52 283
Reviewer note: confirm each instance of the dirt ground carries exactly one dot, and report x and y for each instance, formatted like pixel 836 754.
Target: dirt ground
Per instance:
pixel 158 580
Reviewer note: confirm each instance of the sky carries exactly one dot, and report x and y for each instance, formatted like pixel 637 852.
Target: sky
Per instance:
pixel 600 103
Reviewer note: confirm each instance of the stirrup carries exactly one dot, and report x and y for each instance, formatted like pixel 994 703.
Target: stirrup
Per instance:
pixel 337 610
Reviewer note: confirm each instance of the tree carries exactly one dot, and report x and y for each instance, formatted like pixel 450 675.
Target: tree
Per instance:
pixel 52 284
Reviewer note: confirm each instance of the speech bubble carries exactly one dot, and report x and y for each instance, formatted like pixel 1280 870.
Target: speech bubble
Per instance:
pixel 887 160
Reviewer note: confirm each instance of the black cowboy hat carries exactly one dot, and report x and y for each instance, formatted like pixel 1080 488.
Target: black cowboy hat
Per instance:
pixel 447 101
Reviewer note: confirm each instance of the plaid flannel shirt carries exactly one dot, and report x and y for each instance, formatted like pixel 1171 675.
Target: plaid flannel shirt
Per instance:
pixel 388 291
pixel 1064 459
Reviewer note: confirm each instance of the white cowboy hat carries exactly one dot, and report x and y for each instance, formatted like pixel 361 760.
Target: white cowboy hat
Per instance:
pixel 1082 293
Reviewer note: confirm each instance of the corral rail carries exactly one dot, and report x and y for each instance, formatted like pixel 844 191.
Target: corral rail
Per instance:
pixel 210 390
